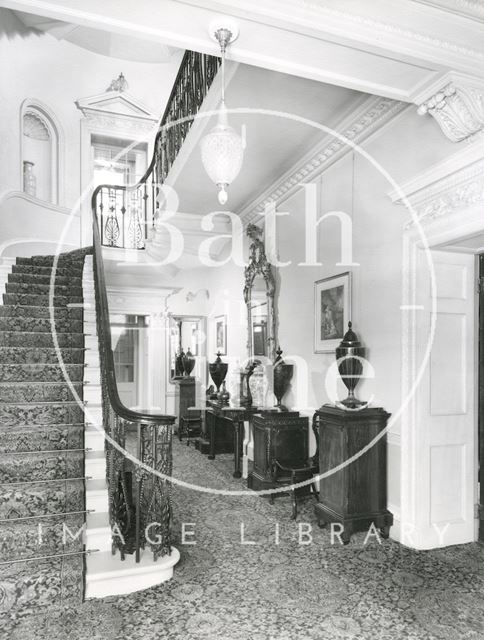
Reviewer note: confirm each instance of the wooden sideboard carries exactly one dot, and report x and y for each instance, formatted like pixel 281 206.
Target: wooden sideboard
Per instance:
pixel 356 495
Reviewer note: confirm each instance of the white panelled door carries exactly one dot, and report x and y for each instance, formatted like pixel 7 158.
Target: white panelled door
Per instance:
pixel 446 408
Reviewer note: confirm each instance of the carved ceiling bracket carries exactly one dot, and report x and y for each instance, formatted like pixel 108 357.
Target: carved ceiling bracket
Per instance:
pixel 458 108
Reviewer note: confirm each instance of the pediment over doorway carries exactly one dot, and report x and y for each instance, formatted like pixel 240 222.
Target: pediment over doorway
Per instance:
pixel 117 111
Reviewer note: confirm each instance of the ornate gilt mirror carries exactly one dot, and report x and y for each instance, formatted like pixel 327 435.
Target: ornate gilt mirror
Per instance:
pixel 259 291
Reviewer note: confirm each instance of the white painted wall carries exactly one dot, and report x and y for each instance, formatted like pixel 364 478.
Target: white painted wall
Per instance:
pixel 38 66
pixel 404 147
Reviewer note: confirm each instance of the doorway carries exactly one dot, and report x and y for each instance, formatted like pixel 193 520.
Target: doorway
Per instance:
pixel 129 335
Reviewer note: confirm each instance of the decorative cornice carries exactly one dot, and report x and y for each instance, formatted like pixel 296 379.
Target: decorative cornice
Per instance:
pixel 458 109
pixel 392 29
pixel 454 184
pixel 370 116
pixel 469 8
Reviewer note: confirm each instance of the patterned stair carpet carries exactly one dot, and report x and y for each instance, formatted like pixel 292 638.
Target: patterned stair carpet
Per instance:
pixel 225 590
pixel 41 435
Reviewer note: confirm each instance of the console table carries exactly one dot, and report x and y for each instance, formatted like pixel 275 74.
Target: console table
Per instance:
pixel 356 495
pixel 223 428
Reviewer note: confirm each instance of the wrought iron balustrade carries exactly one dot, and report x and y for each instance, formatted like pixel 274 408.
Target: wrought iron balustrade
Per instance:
pixel 139 500
pixel 126 213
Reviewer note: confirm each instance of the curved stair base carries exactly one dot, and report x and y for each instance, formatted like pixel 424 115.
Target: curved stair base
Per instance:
pixel 108 575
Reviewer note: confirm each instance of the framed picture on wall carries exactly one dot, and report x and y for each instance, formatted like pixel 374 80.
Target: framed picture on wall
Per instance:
pixel 221 334
pixel 332 311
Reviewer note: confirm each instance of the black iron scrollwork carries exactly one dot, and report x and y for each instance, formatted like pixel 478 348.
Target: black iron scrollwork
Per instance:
pixel 126 213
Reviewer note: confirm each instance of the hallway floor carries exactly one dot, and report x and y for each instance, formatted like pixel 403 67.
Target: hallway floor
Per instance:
pixel 287 591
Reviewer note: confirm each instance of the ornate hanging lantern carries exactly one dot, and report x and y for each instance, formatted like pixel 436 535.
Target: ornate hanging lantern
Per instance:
pixel 223 148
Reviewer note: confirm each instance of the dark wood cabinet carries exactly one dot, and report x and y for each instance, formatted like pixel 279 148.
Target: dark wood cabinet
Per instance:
pixel 355 495
pixel 277 436
pixel 184 396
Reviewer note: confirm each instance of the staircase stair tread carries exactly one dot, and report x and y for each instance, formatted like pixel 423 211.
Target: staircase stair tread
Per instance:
pixel 42 426
pixel 35 269
pixel 75 334
pixel 40 383
pixel 41 364
pixel 38 287
pixel 97 520
pixel 59 403
pixel 95 455
pixel 9 298
pixel 11 324
pixel 33 372
pixel 96 485
pixel 35 278
pixel 44 349
pixel 32 311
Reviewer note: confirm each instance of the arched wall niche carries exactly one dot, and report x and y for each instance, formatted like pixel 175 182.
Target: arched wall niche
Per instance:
pixel 42 143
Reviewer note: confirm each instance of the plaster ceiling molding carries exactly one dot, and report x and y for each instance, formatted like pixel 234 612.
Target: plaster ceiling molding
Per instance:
pixel 367 118
pixel 458 108
pixel 393 29
pixel 469 8
pixel 454 184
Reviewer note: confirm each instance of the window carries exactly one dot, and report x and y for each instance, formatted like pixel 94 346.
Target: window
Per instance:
pixel 40 153
pixel 115 163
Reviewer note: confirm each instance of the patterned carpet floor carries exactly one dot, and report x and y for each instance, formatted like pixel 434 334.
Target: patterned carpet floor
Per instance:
pixel 286 591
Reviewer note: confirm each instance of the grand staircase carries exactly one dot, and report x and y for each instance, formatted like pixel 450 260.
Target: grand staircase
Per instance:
pixel 42 455
pixel 66 481
pixel 62 488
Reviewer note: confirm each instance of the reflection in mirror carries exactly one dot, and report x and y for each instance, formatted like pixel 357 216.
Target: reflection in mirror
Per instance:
pixel 258 302
pixel 187 338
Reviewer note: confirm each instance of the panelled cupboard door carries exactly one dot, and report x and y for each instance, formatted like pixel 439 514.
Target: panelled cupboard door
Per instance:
pixel 446 472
